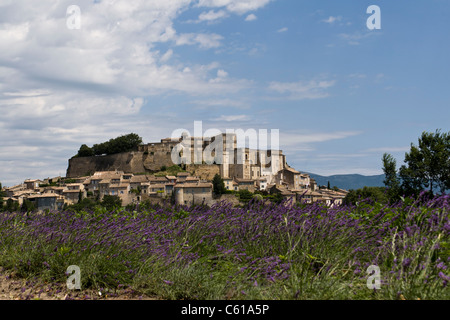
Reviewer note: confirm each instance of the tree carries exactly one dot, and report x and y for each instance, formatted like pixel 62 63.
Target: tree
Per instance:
pixel 85 151
pixel 371 194
pixel 427 164
pixel 111 202
pixel 391 180
pixel 2 194
pixel 328 185
pixel 11 206
pixel 27 206
pixel 218 185
pixel 120 144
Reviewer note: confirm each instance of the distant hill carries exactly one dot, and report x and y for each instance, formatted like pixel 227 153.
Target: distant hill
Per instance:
pixel 349 181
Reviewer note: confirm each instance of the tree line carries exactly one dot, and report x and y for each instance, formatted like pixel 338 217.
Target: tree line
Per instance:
pixel 426 169
pixel 120 144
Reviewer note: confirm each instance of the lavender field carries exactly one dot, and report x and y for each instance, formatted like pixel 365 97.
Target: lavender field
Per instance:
pixel 262 251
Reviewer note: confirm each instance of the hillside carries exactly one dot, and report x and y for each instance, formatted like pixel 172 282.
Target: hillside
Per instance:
pixel 349 181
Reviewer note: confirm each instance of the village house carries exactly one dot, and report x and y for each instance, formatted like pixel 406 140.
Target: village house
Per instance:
pixel 193 193
pixel 32 184
pixel 228 183
pixel 246 184
pixel 47 201
pixel 71 192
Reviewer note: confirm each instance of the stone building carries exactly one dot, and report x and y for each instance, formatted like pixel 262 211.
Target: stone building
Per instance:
pixel 193 193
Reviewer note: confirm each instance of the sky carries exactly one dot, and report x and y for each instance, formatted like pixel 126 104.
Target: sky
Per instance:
pixel 340 93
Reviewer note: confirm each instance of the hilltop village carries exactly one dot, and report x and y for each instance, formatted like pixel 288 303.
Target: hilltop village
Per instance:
pixel 150 174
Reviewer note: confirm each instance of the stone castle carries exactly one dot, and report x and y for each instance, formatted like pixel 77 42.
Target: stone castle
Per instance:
pixel 229 162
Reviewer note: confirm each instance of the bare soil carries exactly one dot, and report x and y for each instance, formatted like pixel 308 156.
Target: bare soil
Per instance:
pixel 15 288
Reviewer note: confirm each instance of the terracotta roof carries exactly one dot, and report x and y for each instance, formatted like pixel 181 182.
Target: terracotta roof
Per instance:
pixel 158 179
pixel 182 174
pixel 73 184
pixel 291 170
pixel 107 175
pixel 71 191
pixel 45 195
pixel 139 178
pixel 119 185
pixel 159 186
pixel 194 185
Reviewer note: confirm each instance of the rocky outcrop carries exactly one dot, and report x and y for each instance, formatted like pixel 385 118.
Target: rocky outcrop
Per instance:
pixel 129 162
pixel 203 171
pixel 134 162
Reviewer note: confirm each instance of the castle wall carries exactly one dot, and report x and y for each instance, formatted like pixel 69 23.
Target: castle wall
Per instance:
pixel 132 162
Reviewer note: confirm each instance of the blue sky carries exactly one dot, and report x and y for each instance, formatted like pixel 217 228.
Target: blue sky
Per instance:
pixel 340 94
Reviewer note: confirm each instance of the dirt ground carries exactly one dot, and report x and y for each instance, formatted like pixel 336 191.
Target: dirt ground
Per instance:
pixel 15 288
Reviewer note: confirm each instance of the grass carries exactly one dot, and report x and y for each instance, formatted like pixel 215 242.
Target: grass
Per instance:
pixel 258 252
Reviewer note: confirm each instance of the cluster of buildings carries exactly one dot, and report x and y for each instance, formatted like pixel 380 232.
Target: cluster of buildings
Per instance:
pixel 240 168
pixel 183 188
pixel 55 193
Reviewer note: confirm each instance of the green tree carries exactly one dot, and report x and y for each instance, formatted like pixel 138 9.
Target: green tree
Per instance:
pixel 85 204
pixel 427 165
pixel 218 185
pixel 85 151
pixel 27 206
pixel 2 194
pixel 11 206
pixel 370 194
pixel 391 180
pixel 120 144
pixel 328 185
pixel 111 202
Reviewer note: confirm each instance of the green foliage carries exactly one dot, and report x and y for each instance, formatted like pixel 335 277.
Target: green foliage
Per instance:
pixel 120 144
pixel 169 171
pixel 245 195
pixel 137 191
pixel 218 185
pixel 2 194
pixel 368 194
pixel 85 151
pixel 277 198
pixel 84 204
pixel 427 165
pixel 391 180
pixel 27 206
pixel 11 206
pixel 111 202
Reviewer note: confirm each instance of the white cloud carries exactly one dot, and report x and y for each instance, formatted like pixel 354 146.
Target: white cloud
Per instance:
pixel 292 139
pixel 303 90
pixel 232 118
pixel 282 30
pixel 235 6
pixel 389 149
pixel 212 15
pixel 251 17
pixel 60 88
pixel 206 41
pixel 227 103
pixel 356 37
pixel 332 19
